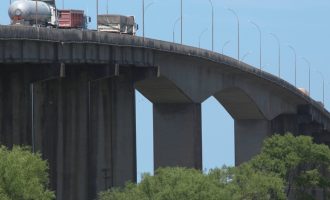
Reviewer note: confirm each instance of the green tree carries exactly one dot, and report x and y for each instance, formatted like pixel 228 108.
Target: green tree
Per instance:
pixel 23 175
pixel 245 183
pixel 301 163
pixel 170 184
pixel 285 163
pixel 241 183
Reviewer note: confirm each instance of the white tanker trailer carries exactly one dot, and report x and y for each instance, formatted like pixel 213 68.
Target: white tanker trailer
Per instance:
pixel 28 12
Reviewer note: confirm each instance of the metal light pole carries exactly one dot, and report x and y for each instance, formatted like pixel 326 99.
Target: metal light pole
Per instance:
pixel 309 74
pixel 279 53
pixel 295 64
pixel 224 45
pixel 144 10
pixel 62 4
pixel 97 14
pixel 232 11
pixel 32 117
pixel 212 24
pixel 181 20
pixel 200 36
pixel 177 20
pixel 245 55
pixel 258 28
pixel 143 18
pixel 37 13
pixel 322 86
pixel 107 7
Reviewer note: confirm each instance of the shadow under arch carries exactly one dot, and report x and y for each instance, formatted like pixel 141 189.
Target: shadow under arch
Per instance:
pixel 161 90
pixel 239 104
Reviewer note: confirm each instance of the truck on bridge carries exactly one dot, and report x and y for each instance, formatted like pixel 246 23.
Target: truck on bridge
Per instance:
pixel 117 24
pixel 44 13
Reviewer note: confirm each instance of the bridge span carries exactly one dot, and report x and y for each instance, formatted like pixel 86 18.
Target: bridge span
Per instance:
pixel 71 95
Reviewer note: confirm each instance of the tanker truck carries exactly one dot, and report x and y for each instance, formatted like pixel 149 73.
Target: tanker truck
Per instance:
pixel 33 13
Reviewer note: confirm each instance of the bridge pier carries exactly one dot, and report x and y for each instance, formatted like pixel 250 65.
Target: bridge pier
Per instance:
pixel 177 135
pixel 249 136
pixel 15 101
pixel 112 137
pixel 61 133
pixel 85 127
pixel 15 123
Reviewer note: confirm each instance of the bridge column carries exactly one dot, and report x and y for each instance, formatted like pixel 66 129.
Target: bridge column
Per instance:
pixel 15 110
pixel 249 136
pixel 15 101
pixel 112 138
pixel 61 133
pixel 177 135
pixel 86 129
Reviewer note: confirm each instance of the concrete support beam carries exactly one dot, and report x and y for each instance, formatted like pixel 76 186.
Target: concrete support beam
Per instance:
pixel 61 133
pixel 112 139
pixel 48 128
pixel 15 101
pixel 86 129
pixel 15 113
pixel 177 135
pixel 249 136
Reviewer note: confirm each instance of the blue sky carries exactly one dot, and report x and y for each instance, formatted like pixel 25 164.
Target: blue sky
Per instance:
pixel 302 24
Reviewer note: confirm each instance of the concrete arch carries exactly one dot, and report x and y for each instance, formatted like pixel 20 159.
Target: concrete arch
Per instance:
pixel 200 79
pixel 161 90
pixel 239 104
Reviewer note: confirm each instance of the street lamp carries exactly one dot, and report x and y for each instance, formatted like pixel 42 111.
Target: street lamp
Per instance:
pixel 224 45
pixel 245 55
pixel 181 20
pixel 212 24
pixel 144 10
pixel 232 11
pixel 258 28
pixel 107 7
pixel 279 53
pixel 63 4
pixel 36 13
pixel 177 20
pixel 322 86
pixel 97 14
pixel 295 65
pixel 143 18
pixel 309 73
pixel 200 36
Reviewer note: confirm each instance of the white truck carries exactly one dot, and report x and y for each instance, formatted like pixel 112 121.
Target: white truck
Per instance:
pixel 117 24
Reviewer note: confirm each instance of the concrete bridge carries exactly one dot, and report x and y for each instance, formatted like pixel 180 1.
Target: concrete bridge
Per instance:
pixel 71 95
